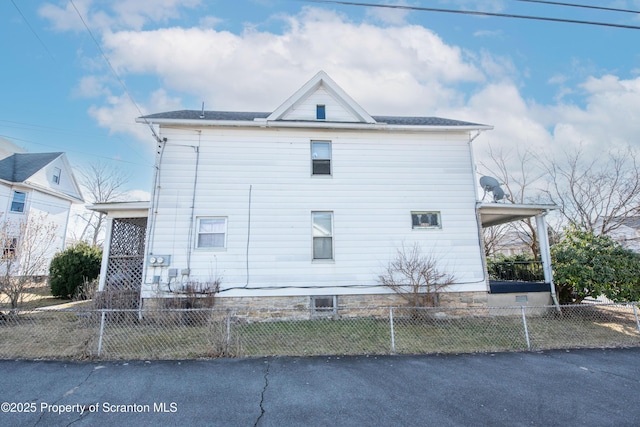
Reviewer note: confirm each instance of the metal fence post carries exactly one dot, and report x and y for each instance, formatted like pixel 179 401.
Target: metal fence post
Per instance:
pixel 635 313
pixel 393 338
pixel 526 329
pixel 101 333
pixel 228 328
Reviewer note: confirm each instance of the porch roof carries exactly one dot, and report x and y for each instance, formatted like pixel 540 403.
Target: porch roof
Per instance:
pixel 122 209
pixel 501 213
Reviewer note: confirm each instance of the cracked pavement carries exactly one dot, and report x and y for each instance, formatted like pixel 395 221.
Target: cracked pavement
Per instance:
pixel 578 387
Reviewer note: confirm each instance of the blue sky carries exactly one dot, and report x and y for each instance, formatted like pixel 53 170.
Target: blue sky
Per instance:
pixel 544 86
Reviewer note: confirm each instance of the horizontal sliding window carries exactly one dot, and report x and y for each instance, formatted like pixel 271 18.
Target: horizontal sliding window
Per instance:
pixel 426 219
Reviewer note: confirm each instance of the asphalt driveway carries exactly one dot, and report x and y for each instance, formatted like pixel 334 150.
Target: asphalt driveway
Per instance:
pixel 567 388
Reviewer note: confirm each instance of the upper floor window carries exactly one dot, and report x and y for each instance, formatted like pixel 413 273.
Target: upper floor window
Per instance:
pixel 425 220
pixel 322 224
pixel 321 112
pixel 320 158
pixel 56 175
pixel 212 232
pixel 18 202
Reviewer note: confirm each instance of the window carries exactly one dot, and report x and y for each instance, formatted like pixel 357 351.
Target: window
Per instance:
pixel 322 235
pixel 18 202
pixel 321 112
pixel 212 233
pixel 321 158
pixel 9 250
pixel 425 220
pixel 324 305
pixel 56 175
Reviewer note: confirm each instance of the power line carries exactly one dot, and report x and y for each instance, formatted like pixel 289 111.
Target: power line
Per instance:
pixel 26 21
pixel 583 6
pixel 124 87
pixel 477 13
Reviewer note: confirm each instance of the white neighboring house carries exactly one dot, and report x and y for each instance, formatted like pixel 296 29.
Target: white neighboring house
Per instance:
pixel 307 204
pixel 40 187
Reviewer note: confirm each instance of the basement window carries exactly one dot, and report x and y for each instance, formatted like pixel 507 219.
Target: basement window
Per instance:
pixel 324 305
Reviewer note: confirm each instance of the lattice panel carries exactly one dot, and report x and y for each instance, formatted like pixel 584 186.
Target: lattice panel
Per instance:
pixel 126 254
pixel 128 236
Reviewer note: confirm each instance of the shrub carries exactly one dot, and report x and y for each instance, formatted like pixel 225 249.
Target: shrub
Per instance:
pixel 72 267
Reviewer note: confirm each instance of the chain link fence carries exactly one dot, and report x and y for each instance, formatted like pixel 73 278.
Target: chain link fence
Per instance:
pixel 207 333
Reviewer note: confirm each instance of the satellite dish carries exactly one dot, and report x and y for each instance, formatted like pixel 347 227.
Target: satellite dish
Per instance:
pixel 488 183
pixel 491 184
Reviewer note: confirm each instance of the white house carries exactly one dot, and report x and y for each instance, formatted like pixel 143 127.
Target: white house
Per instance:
pixel 37 187
pixel 307 204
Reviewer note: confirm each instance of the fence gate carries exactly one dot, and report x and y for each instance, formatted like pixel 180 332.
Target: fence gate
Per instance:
pixel 126 256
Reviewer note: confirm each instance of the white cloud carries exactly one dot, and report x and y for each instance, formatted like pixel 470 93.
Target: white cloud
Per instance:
pixel 410 66
pixel 120 113
pixel 110 15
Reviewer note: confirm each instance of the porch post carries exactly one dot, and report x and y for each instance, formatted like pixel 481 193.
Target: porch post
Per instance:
pixel 545 255
pixel 106 249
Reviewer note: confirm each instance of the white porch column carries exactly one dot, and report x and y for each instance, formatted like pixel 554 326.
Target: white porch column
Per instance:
pixel 106 250
pixel 545 254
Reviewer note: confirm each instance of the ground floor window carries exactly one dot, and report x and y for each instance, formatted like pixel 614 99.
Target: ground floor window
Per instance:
pixel 212 233
pixel 425 219
pixel 322 231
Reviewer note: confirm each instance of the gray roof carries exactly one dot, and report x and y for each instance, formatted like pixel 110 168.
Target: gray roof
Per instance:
pixel 20 166
pixel 250 116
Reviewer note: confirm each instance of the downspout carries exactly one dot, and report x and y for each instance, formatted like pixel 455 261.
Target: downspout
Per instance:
pixel 545 254
pixel 155 195
pixel 193 203
pixel 483 257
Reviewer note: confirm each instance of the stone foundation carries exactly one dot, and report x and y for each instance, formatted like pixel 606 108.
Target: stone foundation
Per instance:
pixel 300 307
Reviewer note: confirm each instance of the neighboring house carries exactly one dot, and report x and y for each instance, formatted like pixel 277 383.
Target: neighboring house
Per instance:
pixel 628 233
pixel 306 205
pixel 37 187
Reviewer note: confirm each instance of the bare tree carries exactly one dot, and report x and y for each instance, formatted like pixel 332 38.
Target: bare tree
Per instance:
pixel 101 184
pixel 27 246
pixel 518 174
pixel 596 195
pixel 416 277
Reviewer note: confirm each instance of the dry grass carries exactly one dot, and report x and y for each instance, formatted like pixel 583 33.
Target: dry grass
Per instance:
pixel 207 333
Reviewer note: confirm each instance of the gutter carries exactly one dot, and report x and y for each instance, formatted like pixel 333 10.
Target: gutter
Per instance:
pixel 262 123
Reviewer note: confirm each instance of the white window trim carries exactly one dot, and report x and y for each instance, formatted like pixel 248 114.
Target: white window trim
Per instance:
pixel 24 204
pixel 57 175
pixel 321 175
pixel 333 252
pixel 197 234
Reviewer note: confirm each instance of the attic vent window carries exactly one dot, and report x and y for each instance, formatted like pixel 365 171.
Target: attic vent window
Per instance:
pixel 321 112
pixel 56 175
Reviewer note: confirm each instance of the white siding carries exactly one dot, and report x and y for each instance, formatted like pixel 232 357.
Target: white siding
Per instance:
pixel 377 179
pixel 306 110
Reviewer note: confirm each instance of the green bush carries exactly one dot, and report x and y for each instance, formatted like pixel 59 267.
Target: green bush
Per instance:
pixel 72 267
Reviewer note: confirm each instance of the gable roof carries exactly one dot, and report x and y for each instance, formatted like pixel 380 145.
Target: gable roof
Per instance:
pixel 21 166
pixel 339 96
pixel 285 115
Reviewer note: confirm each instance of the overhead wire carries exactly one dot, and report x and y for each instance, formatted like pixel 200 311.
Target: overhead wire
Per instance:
pixel 476 13
pixel 113 70
pixel 26 21
pixel 578 5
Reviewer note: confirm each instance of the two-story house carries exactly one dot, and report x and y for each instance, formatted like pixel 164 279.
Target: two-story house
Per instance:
pixel 36 188
pixel 305 205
